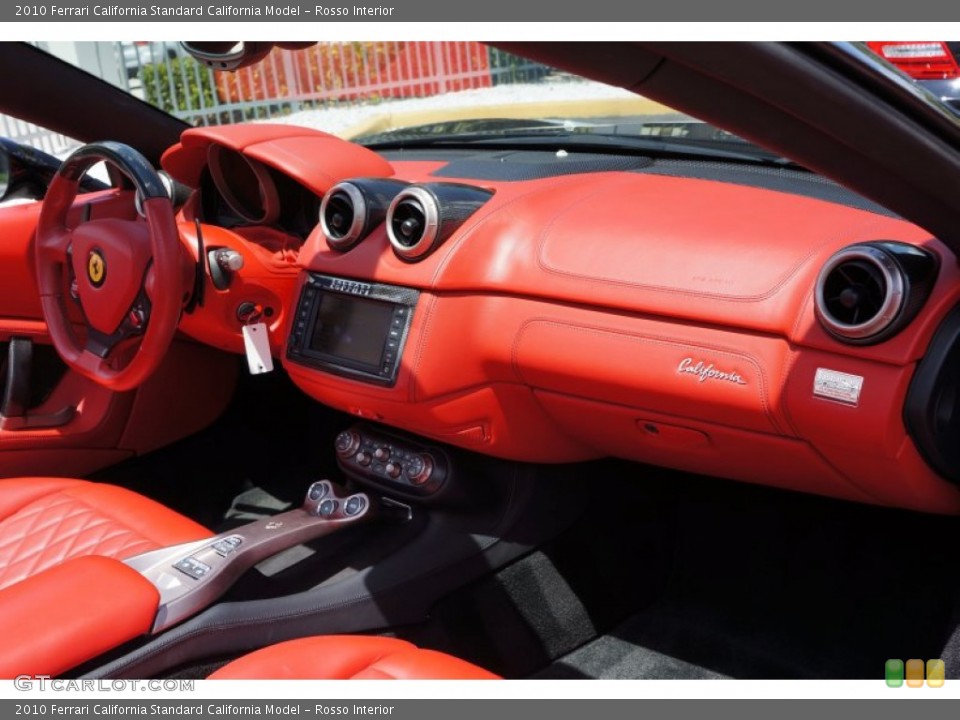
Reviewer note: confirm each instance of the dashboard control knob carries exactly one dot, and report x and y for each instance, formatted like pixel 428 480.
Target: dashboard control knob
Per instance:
pixel 393 469
pixel 381 453
pixel 419 469
pixel 317 491
pixel 354 505
pixel 364 458
pixel 327 508
pixel 229 260
pixel 347 443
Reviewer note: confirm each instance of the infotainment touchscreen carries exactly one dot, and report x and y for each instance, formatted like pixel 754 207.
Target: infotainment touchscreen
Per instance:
pixel 352 328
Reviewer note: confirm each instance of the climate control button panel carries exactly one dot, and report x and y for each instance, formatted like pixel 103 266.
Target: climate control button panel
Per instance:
pixel 403 466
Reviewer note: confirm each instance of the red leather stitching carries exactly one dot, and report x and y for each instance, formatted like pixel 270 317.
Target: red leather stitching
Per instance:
pixel 56 528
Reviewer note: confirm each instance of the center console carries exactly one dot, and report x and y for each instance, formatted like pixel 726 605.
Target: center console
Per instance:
pixel 456 517
pixel 351 328
pixel 190 577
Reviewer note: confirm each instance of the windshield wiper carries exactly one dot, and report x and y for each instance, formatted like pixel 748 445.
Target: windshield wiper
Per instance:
pixel 558 138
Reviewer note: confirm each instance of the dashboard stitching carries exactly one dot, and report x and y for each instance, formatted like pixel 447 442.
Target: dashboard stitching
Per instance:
pixel 649 339
pixel 492 208
pixel 430 305
pixel 791 361
pixel 311 378
pixel 786 367
pixel 359 387
pixel 851 232
pixel 272 162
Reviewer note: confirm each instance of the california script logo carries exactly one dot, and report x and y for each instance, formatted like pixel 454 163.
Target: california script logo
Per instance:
pixel 707 371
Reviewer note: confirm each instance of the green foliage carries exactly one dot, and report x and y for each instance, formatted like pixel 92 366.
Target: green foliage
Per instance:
pixel 506 68
pixel 179 85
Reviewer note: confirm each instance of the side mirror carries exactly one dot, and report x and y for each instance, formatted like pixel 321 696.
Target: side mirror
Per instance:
pixel 4 172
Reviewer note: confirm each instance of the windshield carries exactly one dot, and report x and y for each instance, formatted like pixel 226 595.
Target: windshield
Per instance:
pixel 397 94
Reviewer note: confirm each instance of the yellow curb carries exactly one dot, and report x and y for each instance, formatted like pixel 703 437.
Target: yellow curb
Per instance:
pixel 383 122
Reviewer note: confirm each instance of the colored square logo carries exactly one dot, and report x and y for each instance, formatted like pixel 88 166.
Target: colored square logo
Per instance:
pixel 936 672
pixel 914 673
pixel 893 673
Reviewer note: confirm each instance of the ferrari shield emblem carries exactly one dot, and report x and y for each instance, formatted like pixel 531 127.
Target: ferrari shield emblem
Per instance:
pixel 96 268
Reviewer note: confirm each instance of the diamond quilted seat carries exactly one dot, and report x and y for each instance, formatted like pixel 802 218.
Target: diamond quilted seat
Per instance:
pixel 45 521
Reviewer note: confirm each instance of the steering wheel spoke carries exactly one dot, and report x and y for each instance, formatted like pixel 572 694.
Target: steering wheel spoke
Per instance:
pixel 61 242
pixel 134 324
pixel 91 364
pixel 56 245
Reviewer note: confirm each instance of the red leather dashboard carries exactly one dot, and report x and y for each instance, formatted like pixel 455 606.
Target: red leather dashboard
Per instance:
pixel 662 319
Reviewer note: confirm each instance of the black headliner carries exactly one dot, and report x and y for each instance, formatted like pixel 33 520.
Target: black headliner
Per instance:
pixel 42 89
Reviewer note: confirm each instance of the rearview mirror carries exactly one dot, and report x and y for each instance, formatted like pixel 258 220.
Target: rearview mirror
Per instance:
pixel 227 55
pixel 231 55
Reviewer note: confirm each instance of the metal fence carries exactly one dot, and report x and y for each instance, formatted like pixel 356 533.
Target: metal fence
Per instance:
pixel 286 81
pixel 323 75
pixel 35 136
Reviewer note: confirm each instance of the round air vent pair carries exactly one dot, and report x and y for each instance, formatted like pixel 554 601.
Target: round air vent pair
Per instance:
pixel 866 293
pixel 351 209
pixel 418 217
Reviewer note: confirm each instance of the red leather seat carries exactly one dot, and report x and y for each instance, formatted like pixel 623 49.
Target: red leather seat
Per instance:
pixel 44 521
pixel 47 521
pixel 347 657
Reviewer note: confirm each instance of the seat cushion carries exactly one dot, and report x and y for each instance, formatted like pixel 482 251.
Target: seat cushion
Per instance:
pixel 57 619
pixel 44 521
pixel 347 657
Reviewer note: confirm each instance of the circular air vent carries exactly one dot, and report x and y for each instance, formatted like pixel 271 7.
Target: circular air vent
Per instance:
pixel 342 215
pixel 413 223
pixel 859 293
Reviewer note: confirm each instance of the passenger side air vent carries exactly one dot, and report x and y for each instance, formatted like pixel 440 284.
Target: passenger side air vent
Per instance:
pixel 867 293
pixel 855 292
pixel 351 209
pixel 423 216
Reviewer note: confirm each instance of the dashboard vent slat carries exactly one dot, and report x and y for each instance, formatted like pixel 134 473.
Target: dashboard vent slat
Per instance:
pixel 855 292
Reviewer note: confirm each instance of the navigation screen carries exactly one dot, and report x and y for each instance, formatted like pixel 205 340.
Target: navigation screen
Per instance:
pixel 351 328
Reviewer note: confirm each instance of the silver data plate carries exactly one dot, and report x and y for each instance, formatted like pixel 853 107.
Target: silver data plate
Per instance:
pixel 840 386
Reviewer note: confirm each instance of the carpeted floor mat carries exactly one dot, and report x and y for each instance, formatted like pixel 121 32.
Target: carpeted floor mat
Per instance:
pixel 695 577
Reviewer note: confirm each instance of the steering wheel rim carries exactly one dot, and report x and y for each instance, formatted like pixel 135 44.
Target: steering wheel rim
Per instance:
pixel 143 294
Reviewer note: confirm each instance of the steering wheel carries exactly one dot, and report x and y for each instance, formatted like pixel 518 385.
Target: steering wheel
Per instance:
pixel 124 274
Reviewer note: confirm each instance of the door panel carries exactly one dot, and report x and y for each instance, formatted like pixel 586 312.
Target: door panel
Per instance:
pixel 191 389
